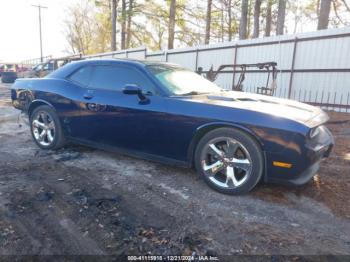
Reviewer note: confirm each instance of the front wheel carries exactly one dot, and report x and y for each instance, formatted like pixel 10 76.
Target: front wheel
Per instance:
pixel 46 128
pixel 229 160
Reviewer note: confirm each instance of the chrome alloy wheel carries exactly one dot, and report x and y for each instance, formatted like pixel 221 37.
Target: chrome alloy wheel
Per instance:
pixel 226 162
pixel 43 128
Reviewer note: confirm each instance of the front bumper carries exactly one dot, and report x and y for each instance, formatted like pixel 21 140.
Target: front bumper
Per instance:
pixel 304 177
pixel 308 163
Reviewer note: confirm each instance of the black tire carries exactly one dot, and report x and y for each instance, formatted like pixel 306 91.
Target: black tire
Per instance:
pixel 252 149
pixel 58 140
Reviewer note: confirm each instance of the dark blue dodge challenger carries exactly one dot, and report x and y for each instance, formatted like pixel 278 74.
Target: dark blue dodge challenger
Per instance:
pixel 162 112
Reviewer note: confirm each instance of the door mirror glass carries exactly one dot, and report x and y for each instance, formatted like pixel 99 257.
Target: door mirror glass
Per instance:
pixel 132 90
pixel 135 90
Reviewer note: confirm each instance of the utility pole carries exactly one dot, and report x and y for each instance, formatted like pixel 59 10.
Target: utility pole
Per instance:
pixel 41 41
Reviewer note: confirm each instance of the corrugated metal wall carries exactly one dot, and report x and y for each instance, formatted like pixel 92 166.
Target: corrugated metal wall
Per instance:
pixel 313 67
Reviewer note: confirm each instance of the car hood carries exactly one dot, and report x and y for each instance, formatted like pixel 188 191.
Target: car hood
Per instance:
pixel 300 112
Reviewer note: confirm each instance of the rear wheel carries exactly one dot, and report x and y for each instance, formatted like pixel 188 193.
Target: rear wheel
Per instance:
pixel 46 128
pixel 229 160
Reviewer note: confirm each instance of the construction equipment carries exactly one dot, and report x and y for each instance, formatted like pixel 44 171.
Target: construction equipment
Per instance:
pixel 270 67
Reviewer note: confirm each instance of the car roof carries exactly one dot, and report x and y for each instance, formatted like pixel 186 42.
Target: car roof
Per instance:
pixel 139 62
pixel 72 66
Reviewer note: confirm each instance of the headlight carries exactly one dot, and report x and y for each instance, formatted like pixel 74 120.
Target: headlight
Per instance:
pixel 314 132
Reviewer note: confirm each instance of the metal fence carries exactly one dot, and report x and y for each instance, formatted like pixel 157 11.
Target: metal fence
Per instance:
pixel 137 53
pixel 312 67
pixel 324 99
pixel 35 61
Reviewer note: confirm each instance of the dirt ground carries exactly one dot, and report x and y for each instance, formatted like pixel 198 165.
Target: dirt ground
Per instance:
pixel 82 201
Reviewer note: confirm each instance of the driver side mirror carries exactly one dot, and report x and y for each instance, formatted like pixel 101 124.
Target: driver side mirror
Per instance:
pixel 132 90
pixel 135 90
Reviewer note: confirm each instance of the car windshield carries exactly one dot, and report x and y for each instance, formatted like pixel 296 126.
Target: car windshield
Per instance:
pixel 180 81
pixel 48 66
pixel 38 67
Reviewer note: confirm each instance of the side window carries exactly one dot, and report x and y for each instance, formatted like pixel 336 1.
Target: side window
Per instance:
pixel 82 76
pixel 48 66
pixel 38 67
pixel 116 77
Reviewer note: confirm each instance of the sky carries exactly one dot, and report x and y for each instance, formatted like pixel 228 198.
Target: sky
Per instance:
pixel 19 29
